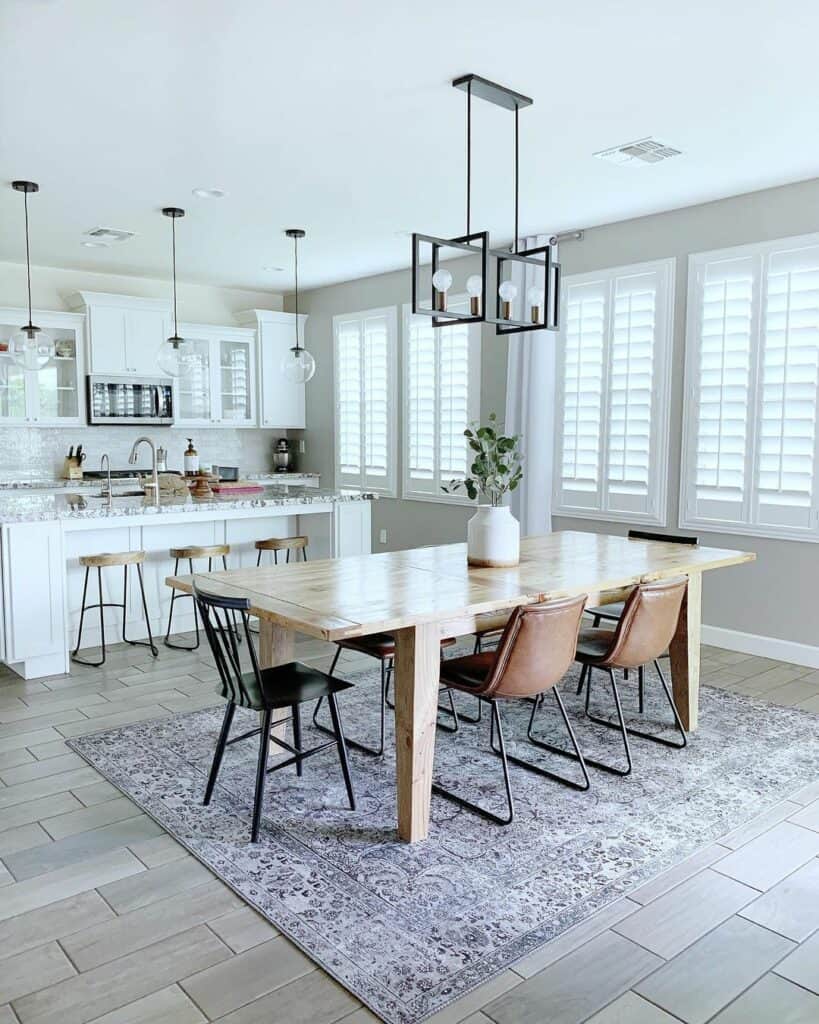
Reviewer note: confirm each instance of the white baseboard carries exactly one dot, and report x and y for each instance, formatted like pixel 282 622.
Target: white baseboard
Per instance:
pixel 762 646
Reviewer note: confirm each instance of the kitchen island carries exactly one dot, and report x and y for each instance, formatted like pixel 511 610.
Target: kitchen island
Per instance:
pixel 43 535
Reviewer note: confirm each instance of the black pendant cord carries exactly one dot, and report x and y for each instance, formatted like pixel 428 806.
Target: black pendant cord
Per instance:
pixel 296 265
pixel 173 256
pixel 28 260
pixel 468 158
pixel 517 173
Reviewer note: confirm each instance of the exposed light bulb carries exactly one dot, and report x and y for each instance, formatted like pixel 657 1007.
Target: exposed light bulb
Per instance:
pixel 508 291
pixel 474 285
pixel 534 296
pixel 31 349
pixel 442 280
pixel 298 366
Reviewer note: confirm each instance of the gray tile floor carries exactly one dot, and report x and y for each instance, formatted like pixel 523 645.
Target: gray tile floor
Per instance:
pixel 105 918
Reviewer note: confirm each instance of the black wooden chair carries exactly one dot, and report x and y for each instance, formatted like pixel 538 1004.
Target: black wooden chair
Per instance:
pixel 264 690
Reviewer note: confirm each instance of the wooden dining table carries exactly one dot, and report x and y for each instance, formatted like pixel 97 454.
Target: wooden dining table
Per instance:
pixel 423 594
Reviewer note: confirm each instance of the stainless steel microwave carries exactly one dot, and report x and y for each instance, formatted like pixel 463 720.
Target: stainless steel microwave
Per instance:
pixel 130 400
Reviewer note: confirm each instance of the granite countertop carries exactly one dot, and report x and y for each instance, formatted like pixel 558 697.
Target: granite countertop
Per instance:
pixel 30 507
pixel 59 484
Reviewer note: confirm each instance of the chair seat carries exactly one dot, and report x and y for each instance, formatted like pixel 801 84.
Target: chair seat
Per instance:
pixel 118 558
pixel 281 543
pixel 285 685
pixel 594 644
pixel 469 672
pixel 379 645
pixel 201 551
pixel 611 612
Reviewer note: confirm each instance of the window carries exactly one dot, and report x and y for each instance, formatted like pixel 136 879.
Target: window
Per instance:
pixel 752 372
pixel 364 362
pixel 442 384
pixel 611 424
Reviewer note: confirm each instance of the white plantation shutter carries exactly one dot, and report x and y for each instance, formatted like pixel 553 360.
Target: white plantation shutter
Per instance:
pixel 613 369
pixel 752 379
pixel 442 397
pixel 365 399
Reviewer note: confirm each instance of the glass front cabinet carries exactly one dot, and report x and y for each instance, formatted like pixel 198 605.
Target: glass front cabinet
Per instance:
pixel 219 388
pixel 54 395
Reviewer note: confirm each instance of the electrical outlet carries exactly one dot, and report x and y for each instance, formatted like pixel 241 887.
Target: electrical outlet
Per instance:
pixel 382 536
pixel 302 447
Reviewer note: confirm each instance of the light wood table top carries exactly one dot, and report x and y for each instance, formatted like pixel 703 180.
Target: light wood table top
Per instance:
pixel 337 598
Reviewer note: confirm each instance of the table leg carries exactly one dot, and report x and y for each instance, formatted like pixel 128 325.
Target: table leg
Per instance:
pixel 417 667
pixel 276 647
pixel 685 654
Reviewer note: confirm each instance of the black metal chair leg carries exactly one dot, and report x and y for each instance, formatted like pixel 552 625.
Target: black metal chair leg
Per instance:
pixel 373 751
pixel 501 752
pixel 342 748
pixel 582 679
pixel 641 689
pixel 297 737
pixel 610 725
pixel 576 756
pixel 219 752
pixel 674 744
pixel 258 799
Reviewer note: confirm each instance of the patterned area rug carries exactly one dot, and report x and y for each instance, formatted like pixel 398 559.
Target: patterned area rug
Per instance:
pixel 408 929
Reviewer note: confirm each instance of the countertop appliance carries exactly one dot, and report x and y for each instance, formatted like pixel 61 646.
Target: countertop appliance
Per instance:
pixel 282 458
pixel 130 400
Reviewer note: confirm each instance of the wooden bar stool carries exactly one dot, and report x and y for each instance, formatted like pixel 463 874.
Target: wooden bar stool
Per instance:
pixel 277 544
pixel 98 562
pixel 209 551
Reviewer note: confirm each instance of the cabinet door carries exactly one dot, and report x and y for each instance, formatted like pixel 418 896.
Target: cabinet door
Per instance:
pixel 195 391
pixel 145 331
pixel 58 387
pixel 13 385
pixel 236 383
pixel 107 326
pixel 282 400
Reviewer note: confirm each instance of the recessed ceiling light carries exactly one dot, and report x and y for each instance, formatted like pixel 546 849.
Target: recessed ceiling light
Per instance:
pixel 209 193
pixel 275 270
pixel 642 151
pixel 95 245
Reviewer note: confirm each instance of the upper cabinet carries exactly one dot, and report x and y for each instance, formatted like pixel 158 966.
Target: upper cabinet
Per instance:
pixel 54 395
pixel 281 402
pixel 221 389
pixel 124 332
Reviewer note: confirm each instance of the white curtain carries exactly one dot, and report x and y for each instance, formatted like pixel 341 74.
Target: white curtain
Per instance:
pixel 530 403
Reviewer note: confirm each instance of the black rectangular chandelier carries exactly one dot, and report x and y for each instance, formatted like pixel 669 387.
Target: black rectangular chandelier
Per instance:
pixel 536 306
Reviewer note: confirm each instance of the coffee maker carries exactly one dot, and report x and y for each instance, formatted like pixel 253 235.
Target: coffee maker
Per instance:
pixel 282 457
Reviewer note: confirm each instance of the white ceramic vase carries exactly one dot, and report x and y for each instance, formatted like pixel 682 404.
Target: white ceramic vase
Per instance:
pixel 493 537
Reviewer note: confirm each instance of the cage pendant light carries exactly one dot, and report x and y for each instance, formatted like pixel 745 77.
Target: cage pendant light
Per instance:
pixel 536 266
pixel 297 365
pixel 176 356
pixel 31 347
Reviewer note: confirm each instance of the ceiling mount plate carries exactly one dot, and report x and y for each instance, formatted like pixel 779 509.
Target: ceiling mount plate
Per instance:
pixel 25 186
pixel 295 232
pixel 492 92
pixel 173 211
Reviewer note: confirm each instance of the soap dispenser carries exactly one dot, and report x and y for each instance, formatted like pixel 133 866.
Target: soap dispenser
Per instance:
pixel 191 459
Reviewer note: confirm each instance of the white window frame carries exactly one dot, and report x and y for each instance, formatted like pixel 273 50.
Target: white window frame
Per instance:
pixel 386 489
pixel 658 490
pixel 687 501
pixel 409 489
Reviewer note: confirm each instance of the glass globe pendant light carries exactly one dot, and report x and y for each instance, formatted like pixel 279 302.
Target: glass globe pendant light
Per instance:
pixel 31 347
pixel 176 357
pixel 298 366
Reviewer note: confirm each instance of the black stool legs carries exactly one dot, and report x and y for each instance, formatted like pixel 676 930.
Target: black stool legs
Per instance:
pixel 113 604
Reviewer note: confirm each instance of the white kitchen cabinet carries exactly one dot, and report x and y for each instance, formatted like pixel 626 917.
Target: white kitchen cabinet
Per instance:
pixel 281 402
pixel 53 396
pixel 220 390
pixel 124 332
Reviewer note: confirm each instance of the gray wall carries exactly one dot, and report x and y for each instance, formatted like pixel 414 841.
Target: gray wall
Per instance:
pixel 775 596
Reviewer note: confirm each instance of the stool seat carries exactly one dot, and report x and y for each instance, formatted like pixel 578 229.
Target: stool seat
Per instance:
pixel 201 551
pixel 281 543
pixel 118 558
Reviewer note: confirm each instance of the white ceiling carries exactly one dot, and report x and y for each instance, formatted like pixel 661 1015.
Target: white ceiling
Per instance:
pixel 338 116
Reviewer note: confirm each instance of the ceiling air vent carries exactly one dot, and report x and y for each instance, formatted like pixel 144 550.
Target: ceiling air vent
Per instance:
pixel 643 151
pixel 109 236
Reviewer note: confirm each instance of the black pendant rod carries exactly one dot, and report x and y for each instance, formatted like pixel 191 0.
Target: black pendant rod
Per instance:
pixel 517 173
pixel 28 258
pixel 296 266
pixel 173 257
pixel 468 156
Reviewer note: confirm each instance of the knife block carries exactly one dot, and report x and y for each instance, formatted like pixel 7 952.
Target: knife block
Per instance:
pixel 72 469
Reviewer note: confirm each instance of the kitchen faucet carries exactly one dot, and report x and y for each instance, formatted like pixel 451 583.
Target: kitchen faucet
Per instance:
pixel 106 493
pixel 154 485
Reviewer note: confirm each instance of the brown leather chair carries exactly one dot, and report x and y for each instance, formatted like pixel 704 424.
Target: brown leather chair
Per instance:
pixel 536 649
pixel 643 633
pixel 380 646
